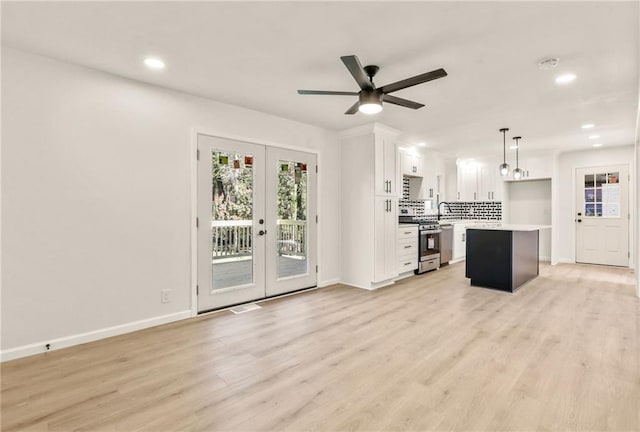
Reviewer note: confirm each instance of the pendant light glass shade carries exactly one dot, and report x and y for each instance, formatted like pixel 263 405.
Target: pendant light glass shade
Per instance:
pixel 517 173
pixel 504 166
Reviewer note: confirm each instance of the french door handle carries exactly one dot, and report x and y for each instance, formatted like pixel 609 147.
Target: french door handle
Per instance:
pixel 262 232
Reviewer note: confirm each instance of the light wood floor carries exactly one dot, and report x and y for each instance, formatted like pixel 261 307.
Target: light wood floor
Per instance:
pixel 430 353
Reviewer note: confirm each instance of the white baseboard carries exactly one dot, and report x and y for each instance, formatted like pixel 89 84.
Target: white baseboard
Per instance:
pixel 544 258
pixel 565 261
pixel 328 282
pixel 68 341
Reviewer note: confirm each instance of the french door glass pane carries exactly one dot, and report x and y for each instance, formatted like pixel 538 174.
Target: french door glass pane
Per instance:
pixel 292 219
pixel 231 219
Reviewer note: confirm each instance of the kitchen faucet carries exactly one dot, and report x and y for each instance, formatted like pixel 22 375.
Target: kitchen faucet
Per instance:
pixel 448 208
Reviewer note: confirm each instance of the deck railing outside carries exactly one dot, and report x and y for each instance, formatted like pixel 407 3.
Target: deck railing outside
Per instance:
pixel 232 239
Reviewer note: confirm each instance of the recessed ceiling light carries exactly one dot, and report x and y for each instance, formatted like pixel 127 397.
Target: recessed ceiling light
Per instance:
pixel 565 79
pixel 594 136
pixel 513 147
pixel 597 145
pixel 154 63
pixel 422 144
pixel 587 126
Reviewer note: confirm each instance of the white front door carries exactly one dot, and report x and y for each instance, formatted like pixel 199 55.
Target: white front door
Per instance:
pixel 256 222
pixel 602 215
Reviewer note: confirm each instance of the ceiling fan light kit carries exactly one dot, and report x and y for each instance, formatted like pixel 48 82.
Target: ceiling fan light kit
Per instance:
pixel 370 102
pixel 504 166
pixel 370 97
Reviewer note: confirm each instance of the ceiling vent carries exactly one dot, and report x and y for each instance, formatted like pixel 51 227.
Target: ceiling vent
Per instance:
pixel 548 63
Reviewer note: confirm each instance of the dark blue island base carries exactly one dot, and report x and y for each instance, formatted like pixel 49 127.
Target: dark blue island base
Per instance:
pixel 501 259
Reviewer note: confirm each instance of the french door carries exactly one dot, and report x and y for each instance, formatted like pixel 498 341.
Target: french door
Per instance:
pixel 602 215
pixel 256 221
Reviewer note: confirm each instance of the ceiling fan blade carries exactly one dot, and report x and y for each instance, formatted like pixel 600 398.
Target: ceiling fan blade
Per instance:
pixel 418 79
pixel 353 109
pixel 323 92
pixel 357 71
pixel 402 102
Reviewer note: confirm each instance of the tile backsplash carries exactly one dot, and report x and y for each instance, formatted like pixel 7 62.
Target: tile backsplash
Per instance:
pixel 405 202
pixel 485 210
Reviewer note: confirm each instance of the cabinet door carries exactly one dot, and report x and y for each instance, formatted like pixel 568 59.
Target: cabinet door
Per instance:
pixel 429 176
pixel 487 182
pixel 537 168
pixel 406 162
pixel 418 166
pixel 385 265
pixel 469 191
pixel 459 250
pixel 386 161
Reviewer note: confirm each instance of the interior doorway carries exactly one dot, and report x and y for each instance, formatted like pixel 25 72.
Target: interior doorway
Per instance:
pixel 257 231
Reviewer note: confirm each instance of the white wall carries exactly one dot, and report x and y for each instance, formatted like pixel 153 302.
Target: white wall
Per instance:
pixel 530 203
pixel 96 196
pixel 564 201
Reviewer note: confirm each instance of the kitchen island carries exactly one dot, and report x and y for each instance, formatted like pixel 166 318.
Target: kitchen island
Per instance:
pixel 502 257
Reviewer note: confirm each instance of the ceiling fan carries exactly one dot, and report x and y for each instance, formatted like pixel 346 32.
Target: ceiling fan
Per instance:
pixel 370 97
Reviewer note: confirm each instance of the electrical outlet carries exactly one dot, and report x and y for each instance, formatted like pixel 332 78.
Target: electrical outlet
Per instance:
pixel 164 296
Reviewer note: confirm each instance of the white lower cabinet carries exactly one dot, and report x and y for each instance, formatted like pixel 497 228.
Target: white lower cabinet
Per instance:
pixel 386 220
pixel 459 241
pixel 407 252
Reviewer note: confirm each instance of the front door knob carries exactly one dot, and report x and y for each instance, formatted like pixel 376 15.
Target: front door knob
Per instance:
pixel 261 232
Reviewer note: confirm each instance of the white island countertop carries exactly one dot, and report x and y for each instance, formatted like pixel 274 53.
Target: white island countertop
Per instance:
pixel 508 227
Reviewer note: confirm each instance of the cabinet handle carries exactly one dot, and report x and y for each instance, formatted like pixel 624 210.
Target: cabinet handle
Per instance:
pixel 390 186
pixel 463 235
pixel 474 195
pixel 407 263
pixel 527 173
pixel 407 247
pixel 430 192
pixel 458 195
pixel 407 232
pixel 489 195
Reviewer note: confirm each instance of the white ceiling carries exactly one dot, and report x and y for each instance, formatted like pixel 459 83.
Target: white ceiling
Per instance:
pixel 256 55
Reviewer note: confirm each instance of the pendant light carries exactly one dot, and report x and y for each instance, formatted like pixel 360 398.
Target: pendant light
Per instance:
pixel 504 167
pixel 517 173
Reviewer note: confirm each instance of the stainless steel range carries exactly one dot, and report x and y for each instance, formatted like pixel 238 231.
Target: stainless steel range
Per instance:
pixel 428 247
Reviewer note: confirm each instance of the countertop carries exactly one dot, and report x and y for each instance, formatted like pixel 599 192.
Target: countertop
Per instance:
pixel 508 227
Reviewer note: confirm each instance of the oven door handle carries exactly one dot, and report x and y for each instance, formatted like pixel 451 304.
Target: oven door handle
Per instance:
pixel 430 231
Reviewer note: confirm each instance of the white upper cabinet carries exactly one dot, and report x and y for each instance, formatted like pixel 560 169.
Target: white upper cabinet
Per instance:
pixel 425 186
pixel 537 168
pixel 467 182
pixel 479 181
pixel 490 184
pixel 386 163
pixel 411 164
